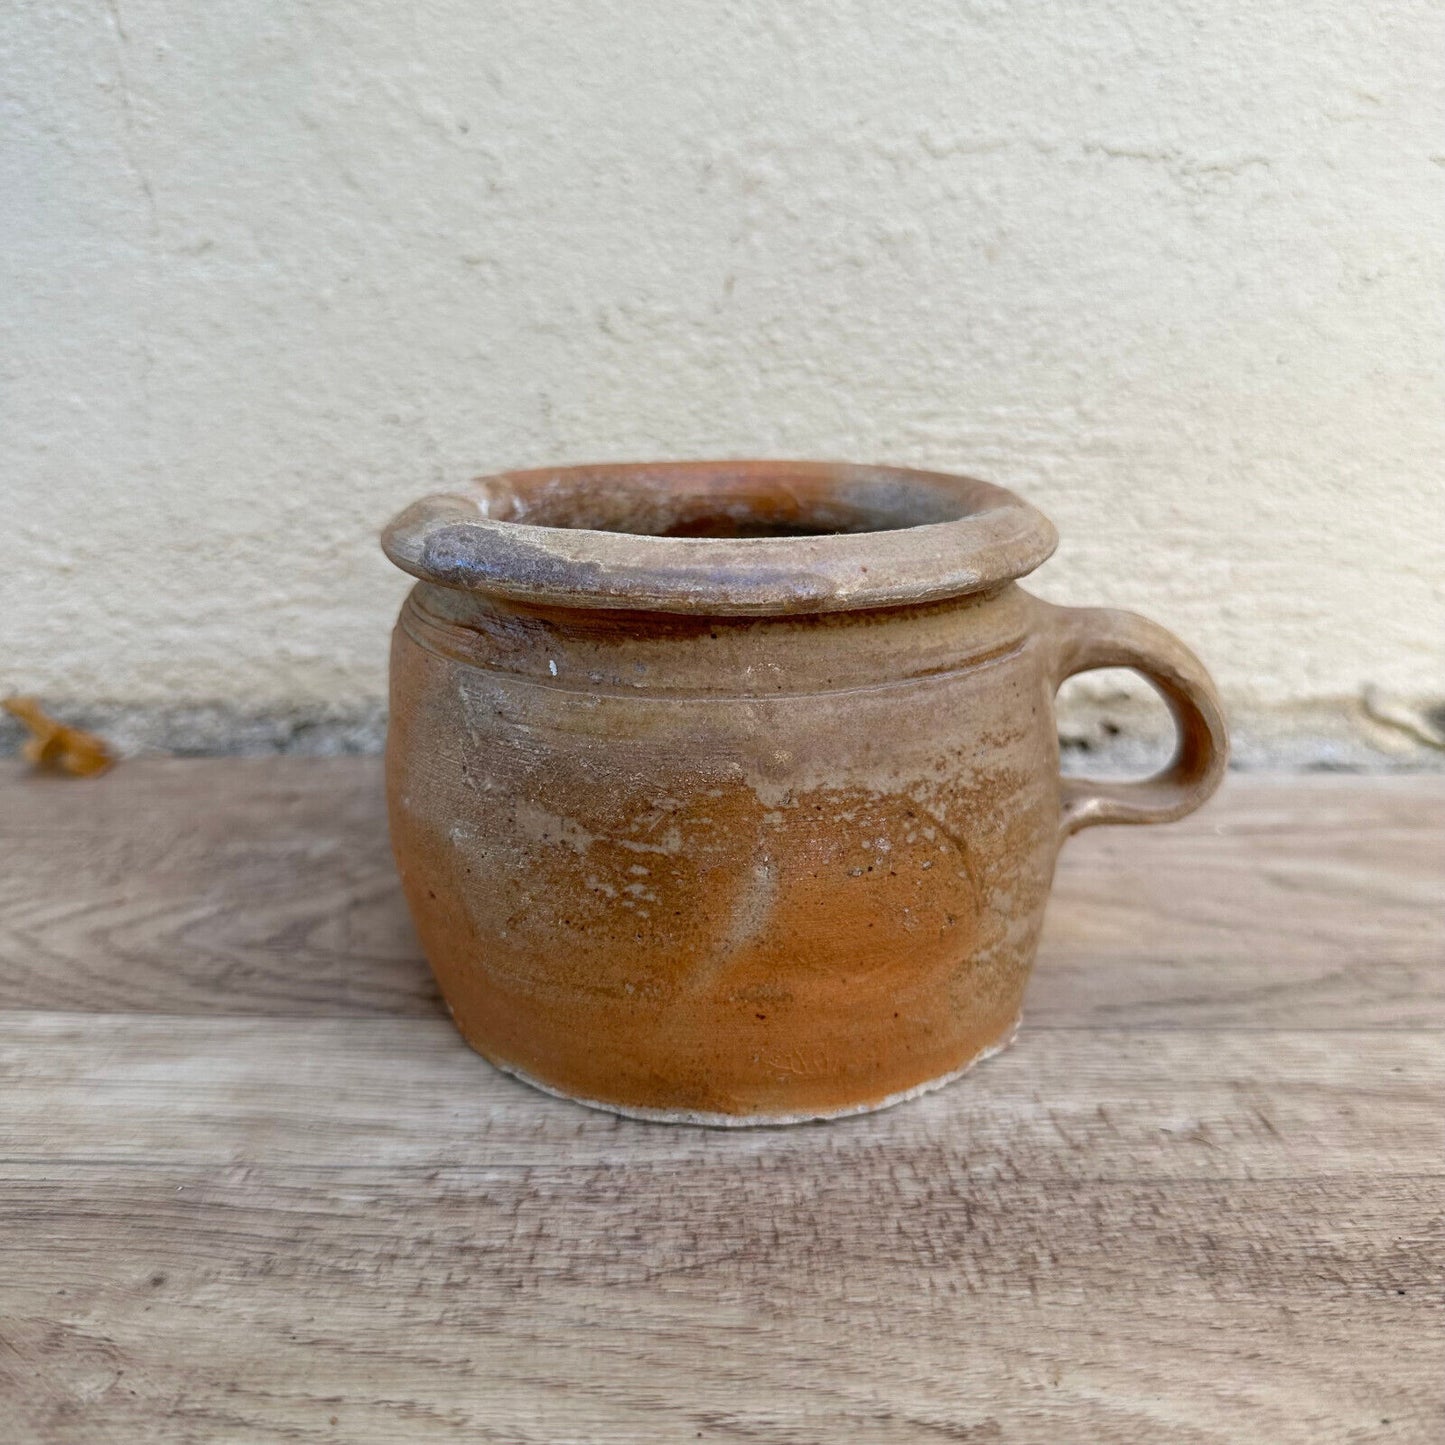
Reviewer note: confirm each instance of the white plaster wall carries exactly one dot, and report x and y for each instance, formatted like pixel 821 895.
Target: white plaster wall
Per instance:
pixel 271 269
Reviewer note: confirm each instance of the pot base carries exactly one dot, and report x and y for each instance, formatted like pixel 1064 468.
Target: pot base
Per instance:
pixel 707 1120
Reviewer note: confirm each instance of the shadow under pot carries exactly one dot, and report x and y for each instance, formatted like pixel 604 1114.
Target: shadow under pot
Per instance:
pixel 728 792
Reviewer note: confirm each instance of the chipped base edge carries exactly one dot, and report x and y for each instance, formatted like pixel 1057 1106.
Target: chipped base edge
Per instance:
pixel 765 1121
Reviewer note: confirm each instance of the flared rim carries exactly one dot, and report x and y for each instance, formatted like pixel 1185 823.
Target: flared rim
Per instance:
pixel 637 536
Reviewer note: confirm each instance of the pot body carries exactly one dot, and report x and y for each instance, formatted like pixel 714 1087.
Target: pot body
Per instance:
pixel 728 869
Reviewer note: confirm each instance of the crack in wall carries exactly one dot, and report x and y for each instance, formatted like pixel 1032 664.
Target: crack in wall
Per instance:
pixel 128 133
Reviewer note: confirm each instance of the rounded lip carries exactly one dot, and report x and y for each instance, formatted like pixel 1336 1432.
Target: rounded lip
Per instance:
pixel 448 539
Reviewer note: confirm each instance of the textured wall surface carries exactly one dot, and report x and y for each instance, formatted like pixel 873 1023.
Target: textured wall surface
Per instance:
pixel 272 269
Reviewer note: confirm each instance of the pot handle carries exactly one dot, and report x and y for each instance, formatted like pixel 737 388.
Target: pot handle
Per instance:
pixel 1091 637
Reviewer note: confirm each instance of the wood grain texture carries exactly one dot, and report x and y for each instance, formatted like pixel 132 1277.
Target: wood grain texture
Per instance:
pixel 253 1187
pixel 252 886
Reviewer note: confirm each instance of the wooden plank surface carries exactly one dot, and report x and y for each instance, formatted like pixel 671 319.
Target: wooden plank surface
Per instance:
pixel 253 1188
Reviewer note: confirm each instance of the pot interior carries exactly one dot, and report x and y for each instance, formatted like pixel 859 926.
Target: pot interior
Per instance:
pixel 753 499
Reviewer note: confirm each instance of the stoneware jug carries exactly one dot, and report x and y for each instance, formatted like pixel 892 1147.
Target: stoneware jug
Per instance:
pixel 728 792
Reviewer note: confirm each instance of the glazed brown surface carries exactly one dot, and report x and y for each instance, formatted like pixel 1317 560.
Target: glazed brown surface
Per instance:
pixel 747 867
pixel 779 904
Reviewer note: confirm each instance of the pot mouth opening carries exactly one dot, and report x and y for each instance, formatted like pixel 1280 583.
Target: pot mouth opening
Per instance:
pixel 714 504
pixel 721 537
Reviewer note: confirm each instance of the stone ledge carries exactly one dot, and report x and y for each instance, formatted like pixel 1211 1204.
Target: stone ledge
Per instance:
pixel 1126 735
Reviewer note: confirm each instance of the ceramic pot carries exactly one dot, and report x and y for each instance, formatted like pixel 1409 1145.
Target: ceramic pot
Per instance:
pixel 729 792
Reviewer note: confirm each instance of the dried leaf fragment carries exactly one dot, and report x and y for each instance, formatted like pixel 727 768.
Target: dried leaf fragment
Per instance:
pixel 57 747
